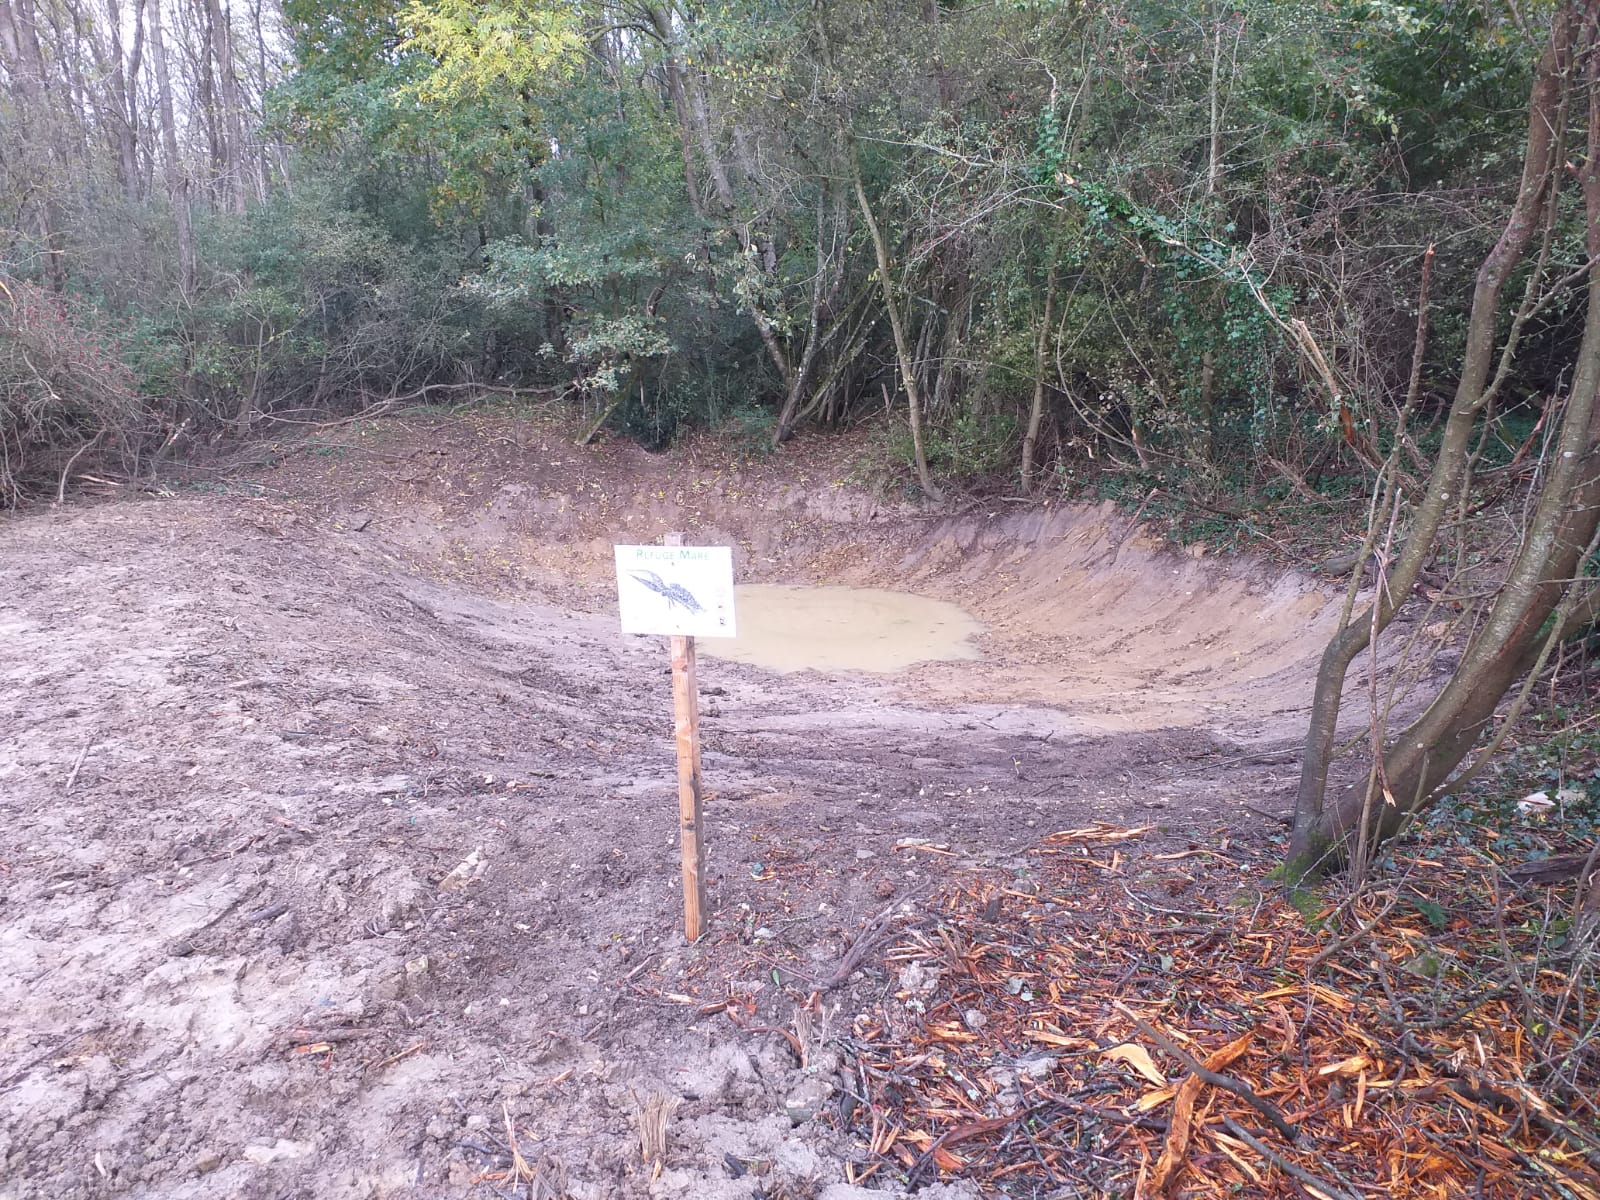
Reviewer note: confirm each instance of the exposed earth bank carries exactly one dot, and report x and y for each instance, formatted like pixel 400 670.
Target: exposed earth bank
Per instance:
pixel 338 818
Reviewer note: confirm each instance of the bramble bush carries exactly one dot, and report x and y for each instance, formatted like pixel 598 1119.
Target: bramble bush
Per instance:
pixel 68 399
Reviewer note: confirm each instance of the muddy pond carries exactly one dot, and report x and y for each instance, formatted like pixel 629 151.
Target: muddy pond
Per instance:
pixel 787 628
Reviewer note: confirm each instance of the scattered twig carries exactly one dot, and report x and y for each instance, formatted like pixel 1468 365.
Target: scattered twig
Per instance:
pixel 76 767
pixel 520 1169
pixel 799 1050
pixel 959 1134
pixel 860 945
pixel 49 1052
pixel 394 1058
pixel 1344 943
pixel 305 1034
pixel 1287 1165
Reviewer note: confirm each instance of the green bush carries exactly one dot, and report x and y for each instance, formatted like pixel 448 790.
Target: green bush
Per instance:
pixel 314 306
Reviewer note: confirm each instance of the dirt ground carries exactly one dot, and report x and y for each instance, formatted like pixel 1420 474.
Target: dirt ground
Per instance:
pixel 338 818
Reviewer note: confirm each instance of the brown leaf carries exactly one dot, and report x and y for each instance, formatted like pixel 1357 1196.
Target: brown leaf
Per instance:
pixel 1353 1065
pixel 1139 1059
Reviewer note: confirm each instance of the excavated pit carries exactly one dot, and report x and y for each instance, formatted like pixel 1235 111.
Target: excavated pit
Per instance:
pixel 248 735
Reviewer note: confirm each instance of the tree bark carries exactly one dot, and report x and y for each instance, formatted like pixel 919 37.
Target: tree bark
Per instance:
pixel 694 124
pixel 880 250
pixel 122 81
pixel 229 117
pixel 661 22
pixel 23 57
pixel 825 287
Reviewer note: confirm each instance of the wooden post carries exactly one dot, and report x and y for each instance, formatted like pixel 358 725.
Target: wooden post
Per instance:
pixel 686 732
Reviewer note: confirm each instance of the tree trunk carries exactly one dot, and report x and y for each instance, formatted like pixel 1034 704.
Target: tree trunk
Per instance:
pixel 661 20
pixel 229 116
pixel 1505 646
pixel 263 84
pixel 825 287
pixel 21 54
pixel 123 84
pixel 1214 149
pixel 1030 439
pixel 902 348
pixel 177 181
pixel 694 125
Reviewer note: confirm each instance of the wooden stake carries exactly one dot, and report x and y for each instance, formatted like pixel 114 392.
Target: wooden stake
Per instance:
pixel 686 732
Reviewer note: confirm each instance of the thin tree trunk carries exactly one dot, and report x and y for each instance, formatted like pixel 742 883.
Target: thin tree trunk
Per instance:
pixel 198 50
pixel 1030 439
pixel 229 121
pixel 824 291
pixel 902 348
pixel 694 124
pixel 21 52
pixel 661 21
pixel 263 83
pixel 1548 567
pixel 1214 158
pixel 177 182
pixel 122 71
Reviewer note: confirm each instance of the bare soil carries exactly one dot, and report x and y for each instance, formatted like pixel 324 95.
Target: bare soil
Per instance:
pixel 338 818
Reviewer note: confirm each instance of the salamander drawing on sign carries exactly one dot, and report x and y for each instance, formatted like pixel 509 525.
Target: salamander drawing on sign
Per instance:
pixel 678 591
pixel 675 593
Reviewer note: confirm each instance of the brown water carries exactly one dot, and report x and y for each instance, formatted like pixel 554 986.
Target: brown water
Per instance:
pixel 843 629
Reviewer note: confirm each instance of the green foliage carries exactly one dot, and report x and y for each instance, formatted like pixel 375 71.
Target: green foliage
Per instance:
pixel 969 447
pixel 973 445
pixel 654 205
pixel 1557 756
pixel 480 50
pixel 314 304
pixel 565 148
pixel 389 85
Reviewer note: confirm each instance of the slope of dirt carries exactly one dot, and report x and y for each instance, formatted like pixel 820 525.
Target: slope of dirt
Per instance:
pixel 338 819
pixel 1086 614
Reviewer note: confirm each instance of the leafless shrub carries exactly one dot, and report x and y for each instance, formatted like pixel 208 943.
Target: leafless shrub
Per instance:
pixel 67 400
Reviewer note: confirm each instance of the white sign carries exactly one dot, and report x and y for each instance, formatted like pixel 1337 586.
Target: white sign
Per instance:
pixel 676 591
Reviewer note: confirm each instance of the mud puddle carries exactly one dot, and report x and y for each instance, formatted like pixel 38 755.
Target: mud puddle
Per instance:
pixel 786 628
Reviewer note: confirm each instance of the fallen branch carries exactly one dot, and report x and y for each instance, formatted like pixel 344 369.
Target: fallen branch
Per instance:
pixel 1559 869
pixel 1286 1165
pixel 859 947
pixel 794 1041
pixel 1227 1083
pixel 77 766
